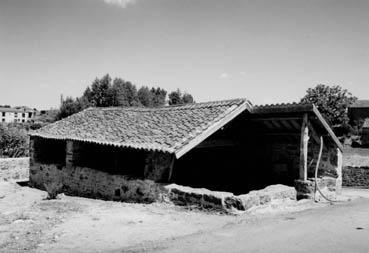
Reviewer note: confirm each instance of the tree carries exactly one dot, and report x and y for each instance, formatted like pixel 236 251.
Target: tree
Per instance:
pixel 68 107
pixel 187 98
pixel 103 93
pixel 124 93
pixel 177 98
pixel 145 96
pixel 332 102
pixel 100 94
pixel 158 96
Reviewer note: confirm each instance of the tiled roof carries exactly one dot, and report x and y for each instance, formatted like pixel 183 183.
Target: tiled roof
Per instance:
pixel 360 104
pixel 366 123
pixel 12 109
pixel 173 129
pixel 282 108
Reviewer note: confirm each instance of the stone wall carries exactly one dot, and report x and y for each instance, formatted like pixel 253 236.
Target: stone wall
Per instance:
pixel 355 176
pixel 81 181
pixel 14 169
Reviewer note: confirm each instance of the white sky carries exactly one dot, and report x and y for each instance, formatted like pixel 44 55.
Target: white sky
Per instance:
pixel 267 51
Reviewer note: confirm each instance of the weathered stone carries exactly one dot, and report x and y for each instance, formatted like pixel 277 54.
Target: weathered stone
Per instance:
pixel 264 198
pixel 355 176
pixel 249 200
pixel 306 189
pixel 279 192
pixel 97 184
pixel 14 169
pixel 227 201
pixel 234 202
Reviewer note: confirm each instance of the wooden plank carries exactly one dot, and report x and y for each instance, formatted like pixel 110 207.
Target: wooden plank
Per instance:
pixel 304 148
pixel 295 124
pixel 327 127
pixel 282 134
pixel 217 143
pixel 268 124
pixel 276 124
pixel 286 124
pixel 275 118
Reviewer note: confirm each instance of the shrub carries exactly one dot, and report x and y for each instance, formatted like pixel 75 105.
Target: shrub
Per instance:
pixel 14 141
pixel 53 188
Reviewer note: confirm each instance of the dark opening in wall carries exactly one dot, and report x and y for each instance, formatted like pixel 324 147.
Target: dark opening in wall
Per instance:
pixel 114 160
pixel 49 151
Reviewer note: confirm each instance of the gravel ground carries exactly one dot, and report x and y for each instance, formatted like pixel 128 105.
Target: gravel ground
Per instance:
pixel 29 223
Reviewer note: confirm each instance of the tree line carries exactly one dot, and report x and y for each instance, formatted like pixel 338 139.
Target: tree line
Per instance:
pixel 105 91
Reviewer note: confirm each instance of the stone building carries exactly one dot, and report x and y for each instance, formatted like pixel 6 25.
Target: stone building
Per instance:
pixel 16 114
pixel 359 111
pixel 128 154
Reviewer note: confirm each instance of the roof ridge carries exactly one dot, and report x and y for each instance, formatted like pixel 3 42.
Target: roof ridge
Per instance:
pixel 167 107
pixel 283 104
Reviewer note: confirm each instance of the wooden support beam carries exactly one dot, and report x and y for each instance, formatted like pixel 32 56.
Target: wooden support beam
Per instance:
pixel 217 143
pixel 171 166
pixel 304 148
pixel 268 124
pixel 286 124
pixel 69 154
pixel 283 134
pixel 295 123
pixel 276 124
pixel 314 134
pixel 275 118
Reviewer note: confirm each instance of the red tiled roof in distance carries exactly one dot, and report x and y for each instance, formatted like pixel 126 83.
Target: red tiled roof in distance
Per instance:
pixel 173 129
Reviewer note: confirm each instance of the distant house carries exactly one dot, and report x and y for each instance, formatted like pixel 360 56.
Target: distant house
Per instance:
pixel 365 133
pixel 16 114
pixel 127 154
pixel 359 111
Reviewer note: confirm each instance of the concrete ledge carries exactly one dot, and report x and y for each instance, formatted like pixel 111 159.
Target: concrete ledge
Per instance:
pixel 226 201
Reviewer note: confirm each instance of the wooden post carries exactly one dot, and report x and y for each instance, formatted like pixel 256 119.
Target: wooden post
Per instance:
pixel 304 147
pixel 339 171
pixel 32 154
pixel 69 154
pixel 171 168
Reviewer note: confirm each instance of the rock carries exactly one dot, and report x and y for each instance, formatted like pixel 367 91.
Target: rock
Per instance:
pixel 234 203
pixel 279 192
pixel 249 200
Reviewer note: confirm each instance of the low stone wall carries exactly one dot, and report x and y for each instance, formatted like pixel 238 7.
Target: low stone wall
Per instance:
pixel 14 169
pixel 355 176
pixel 225 201
pixel 80 181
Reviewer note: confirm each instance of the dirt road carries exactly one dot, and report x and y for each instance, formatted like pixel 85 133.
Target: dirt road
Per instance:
pixel 341 227
pixel 28 223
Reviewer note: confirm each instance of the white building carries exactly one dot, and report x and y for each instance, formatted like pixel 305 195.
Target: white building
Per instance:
pixel 16 114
